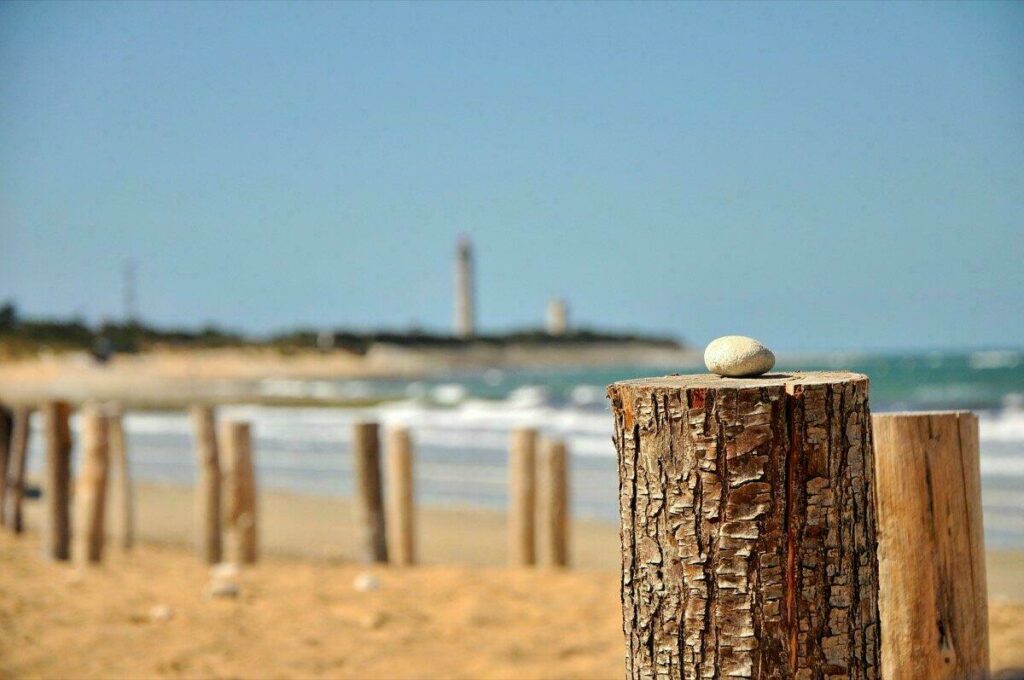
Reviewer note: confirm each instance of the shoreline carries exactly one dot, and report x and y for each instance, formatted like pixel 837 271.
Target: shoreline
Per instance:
pixel 174 378
pixel 323 529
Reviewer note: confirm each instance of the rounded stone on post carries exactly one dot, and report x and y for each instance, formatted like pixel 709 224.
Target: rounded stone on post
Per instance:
pixel 748 526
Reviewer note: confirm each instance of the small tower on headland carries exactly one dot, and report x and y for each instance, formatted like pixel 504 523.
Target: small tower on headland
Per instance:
pixel 557 317
pixel 465 321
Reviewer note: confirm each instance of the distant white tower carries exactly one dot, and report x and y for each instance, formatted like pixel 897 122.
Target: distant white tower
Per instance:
pixel 557 317
pixel 465 322
pixel 128 272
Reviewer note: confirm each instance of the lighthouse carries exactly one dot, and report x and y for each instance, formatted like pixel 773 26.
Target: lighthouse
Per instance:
pixel 465 322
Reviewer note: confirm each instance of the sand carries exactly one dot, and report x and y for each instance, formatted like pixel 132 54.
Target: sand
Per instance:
pixel 461 615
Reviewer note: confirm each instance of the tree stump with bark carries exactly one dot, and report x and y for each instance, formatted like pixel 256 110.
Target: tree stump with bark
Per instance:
pixel 748 526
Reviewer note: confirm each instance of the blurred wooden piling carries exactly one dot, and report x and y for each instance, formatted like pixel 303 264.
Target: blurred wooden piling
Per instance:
pixel 522 494
pixel 747 515
pixel 240 481
pixel 6 437
pixel 368 497
pixel 553 503
pixel 122 499
pixel 16 470
pixel 931 551
pixel 91 488
pixel 401 524
pixel 208 485
pixel 57 435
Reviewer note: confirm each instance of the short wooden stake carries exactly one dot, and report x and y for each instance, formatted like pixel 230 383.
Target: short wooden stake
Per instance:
pixel 208 485
pixel 57 433
pixel 122 496
pixel 6 439
pixel 553 506
pixel 401 525
pixel 522 497
pixel 91 489
pixel 240 482
pixel 18 465
pixel 369 499
pixel 748 526
pixel 931 548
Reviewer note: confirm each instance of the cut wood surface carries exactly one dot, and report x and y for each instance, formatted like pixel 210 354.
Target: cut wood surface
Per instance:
pixel 747 526
pixel 16 471
pixel 122 500
pixel 91 489
pixel 553 503
pixel 522 494
pixel 369 499
pixel 240 482
pixel 401 525
pixel 931 546
pixel 208 485
pixel 56 494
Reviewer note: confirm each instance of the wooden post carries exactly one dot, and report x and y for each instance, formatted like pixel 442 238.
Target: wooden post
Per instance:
pixel 401 527
pixel 748 526
pixel 208 485
pixel 240 480
pixel 18 465
pixel 931 552
pixel 6 437
pixel 553 507
pixel 369 500
pixel 522 494
pixel 122 497
pixel 57 432
pixel 91 489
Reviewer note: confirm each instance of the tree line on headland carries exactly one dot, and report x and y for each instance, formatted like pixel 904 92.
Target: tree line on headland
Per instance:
pixel 25 336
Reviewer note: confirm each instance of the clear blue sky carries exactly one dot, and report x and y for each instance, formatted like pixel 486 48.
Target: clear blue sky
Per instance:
pixel 815 175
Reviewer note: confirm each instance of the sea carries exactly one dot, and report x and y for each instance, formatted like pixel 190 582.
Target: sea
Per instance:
pixel 460 424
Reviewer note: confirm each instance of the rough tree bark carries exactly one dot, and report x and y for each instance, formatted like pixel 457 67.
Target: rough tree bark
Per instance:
pixel 931 547
pixel 748 526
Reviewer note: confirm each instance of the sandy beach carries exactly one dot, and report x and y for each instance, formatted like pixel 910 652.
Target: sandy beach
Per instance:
pixel 461 614
pixel 169 376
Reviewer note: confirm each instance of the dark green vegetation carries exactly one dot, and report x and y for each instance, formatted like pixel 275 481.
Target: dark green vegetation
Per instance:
pixel 22 336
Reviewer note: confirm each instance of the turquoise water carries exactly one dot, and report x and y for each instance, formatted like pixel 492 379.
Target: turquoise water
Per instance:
pixel 460 424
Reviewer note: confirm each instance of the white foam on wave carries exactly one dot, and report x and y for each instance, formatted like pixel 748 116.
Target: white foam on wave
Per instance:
pixel 1001 426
